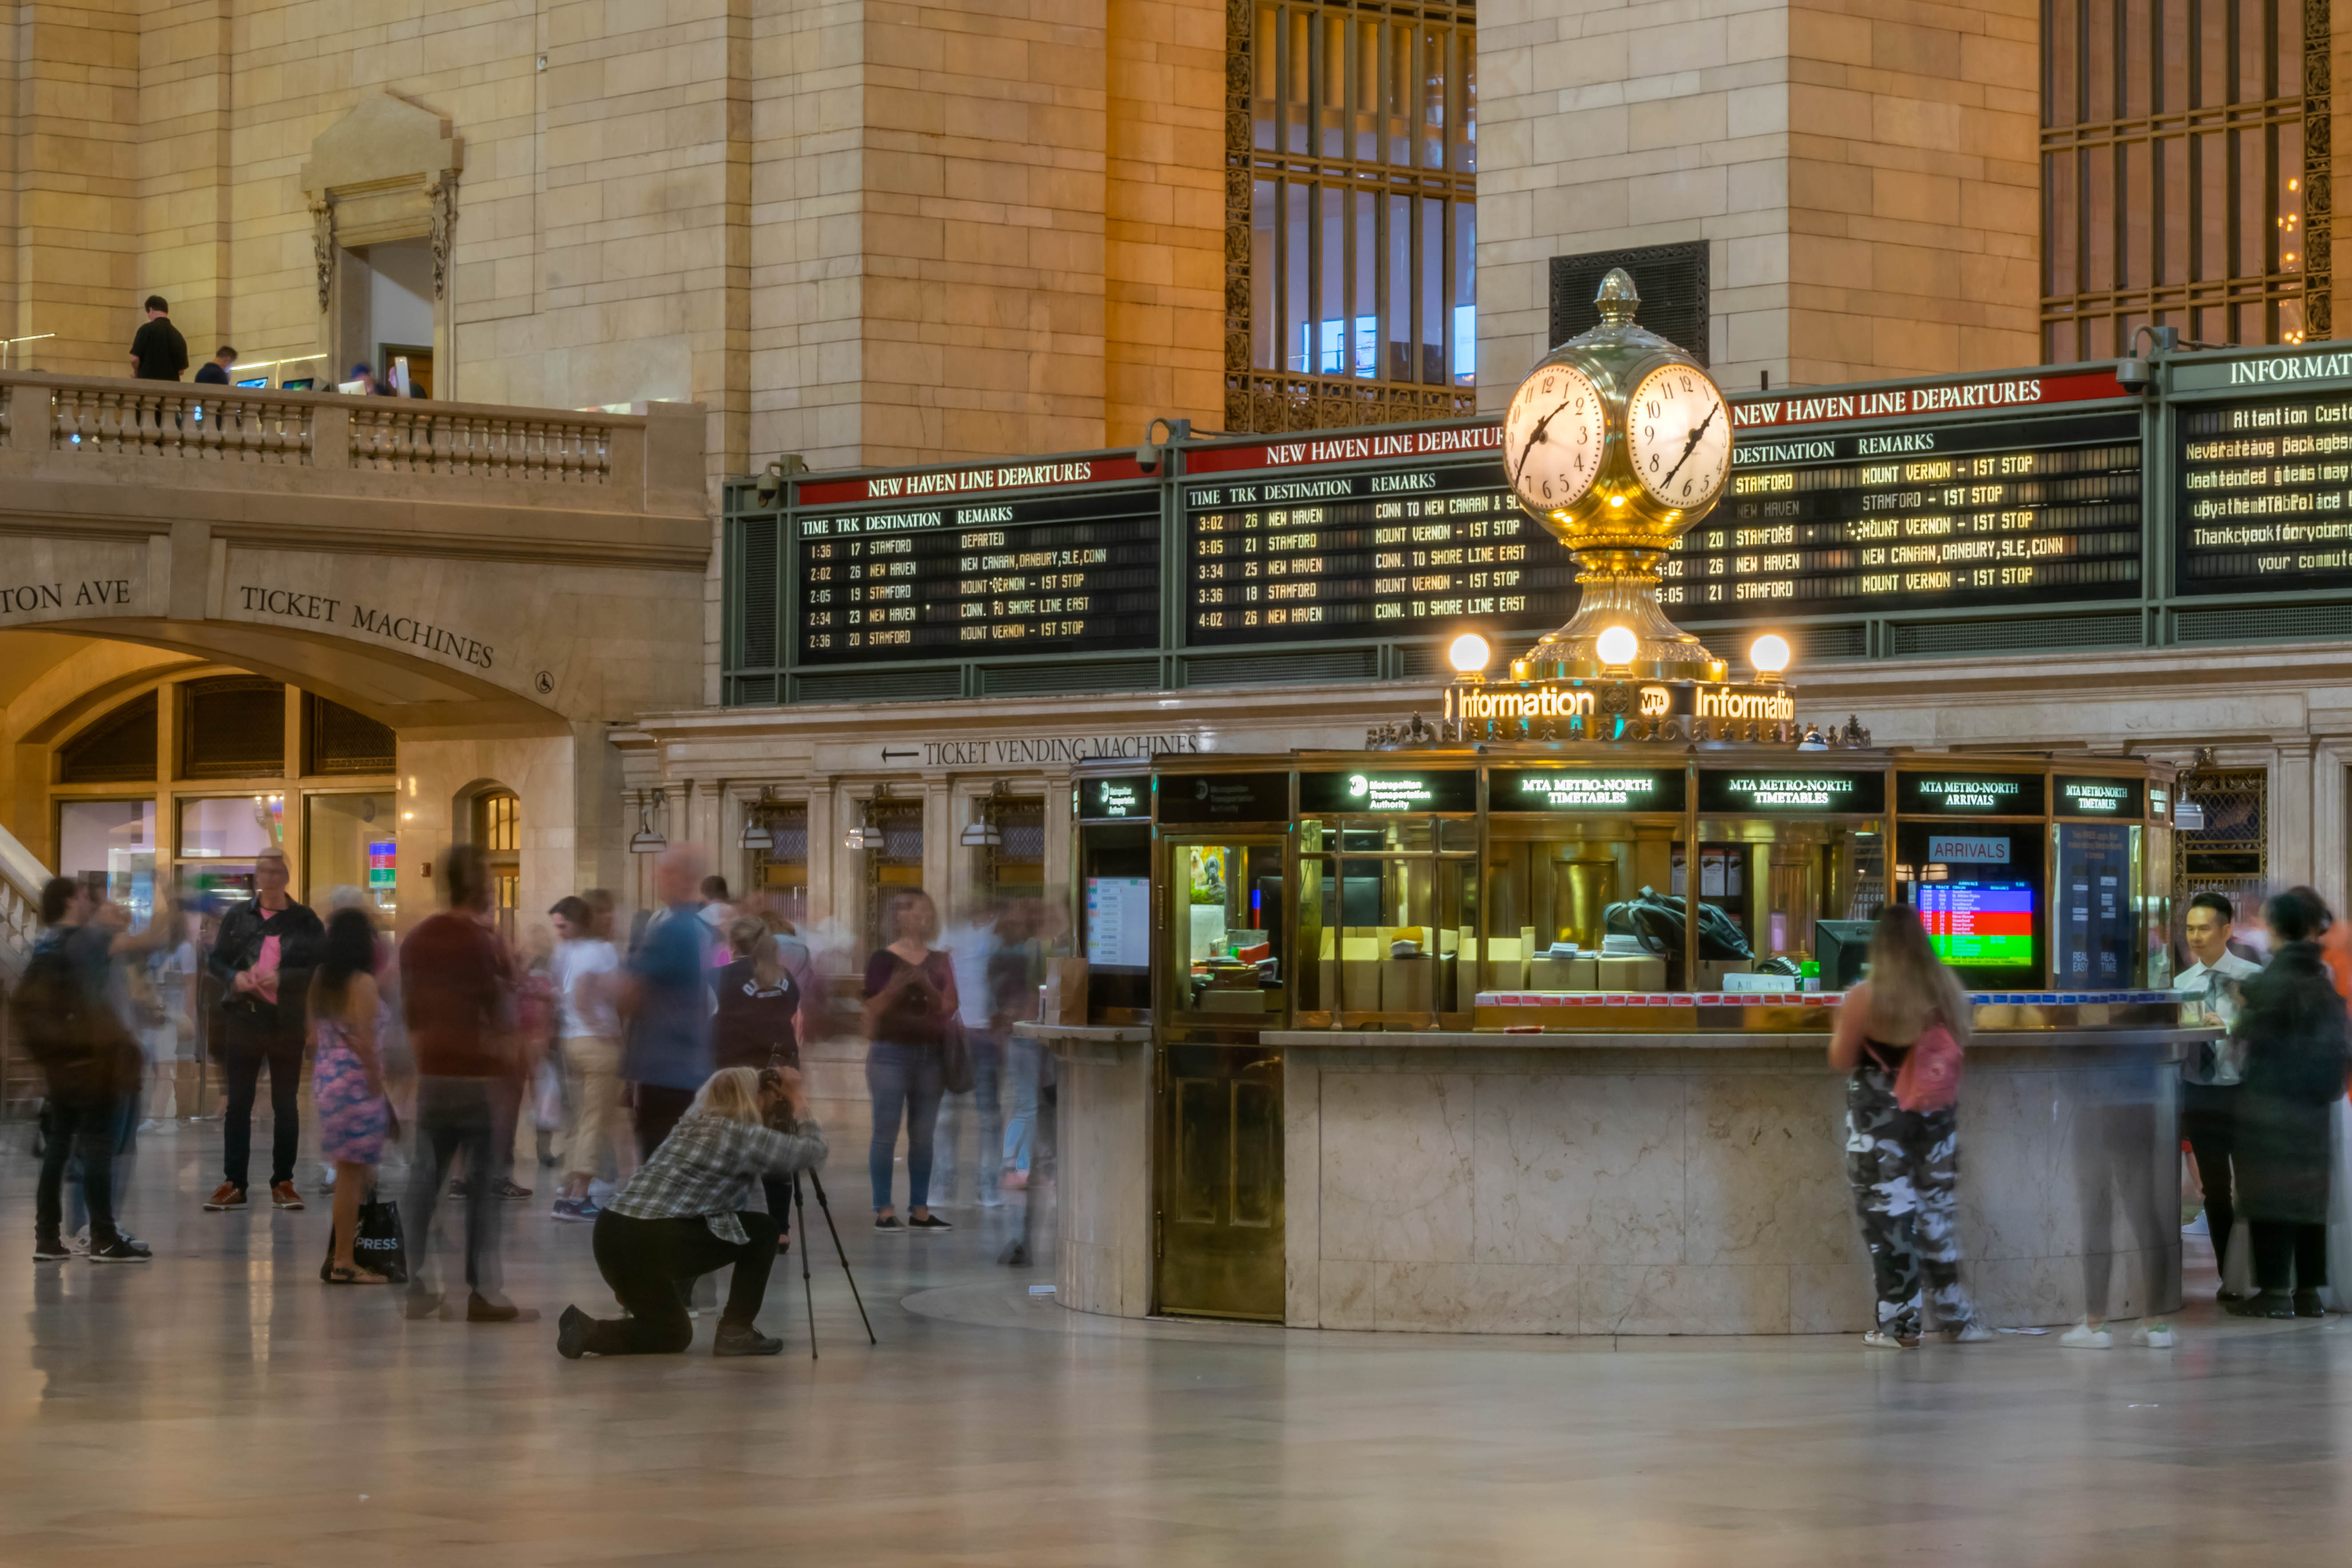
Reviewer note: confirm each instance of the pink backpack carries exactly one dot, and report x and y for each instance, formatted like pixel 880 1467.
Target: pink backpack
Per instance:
pixel 1930 1078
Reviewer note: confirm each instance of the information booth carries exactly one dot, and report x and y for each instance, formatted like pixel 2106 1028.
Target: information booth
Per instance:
pixel 1359 984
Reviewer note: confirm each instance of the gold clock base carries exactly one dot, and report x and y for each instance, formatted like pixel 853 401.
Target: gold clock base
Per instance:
pixel 1620 595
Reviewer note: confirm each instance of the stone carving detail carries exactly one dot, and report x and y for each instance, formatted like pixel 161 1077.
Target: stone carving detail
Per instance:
pixel 322 245
pixel 441 193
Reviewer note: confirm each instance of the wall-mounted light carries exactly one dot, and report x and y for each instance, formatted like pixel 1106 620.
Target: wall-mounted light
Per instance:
pixel 648 840
pixel 756 836
pixel 983 833
pixel 862 834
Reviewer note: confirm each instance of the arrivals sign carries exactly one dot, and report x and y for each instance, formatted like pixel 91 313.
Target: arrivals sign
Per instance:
pixel 1960 794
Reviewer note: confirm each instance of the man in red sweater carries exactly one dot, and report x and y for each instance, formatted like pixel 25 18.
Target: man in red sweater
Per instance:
pixel 458 993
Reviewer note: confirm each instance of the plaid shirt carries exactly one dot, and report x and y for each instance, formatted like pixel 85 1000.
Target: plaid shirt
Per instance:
pixel 706 1166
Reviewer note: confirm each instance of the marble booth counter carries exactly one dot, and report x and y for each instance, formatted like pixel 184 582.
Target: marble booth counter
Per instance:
pixel 1649 1183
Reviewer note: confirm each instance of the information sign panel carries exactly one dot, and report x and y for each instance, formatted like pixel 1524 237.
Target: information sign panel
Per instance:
pixel 1388 790
pixel 1959 793
pixel 1779 792
pixel 1585 789
pixel 2263 488
pixel 1055 573
pixel 1122 799
pixel 2021 509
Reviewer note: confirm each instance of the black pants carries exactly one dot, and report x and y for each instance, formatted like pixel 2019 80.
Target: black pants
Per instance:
pixel 651 1264
pixel 2280 1243
pixel 658 1110
pixel 2209 1120
pixel 249 1045
pixel 454 1116
pixel 779 1190
pixel 87 1125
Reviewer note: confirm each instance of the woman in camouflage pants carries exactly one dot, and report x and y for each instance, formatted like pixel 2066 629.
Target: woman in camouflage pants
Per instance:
pixel 1904 1165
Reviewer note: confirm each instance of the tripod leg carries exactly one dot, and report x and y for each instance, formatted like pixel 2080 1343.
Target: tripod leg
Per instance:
pixel 807 1294
pixel 818 1187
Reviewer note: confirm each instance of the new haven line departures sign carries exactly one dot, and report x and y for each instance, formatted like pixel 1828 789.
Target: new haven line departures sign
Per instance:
pixel 2023 490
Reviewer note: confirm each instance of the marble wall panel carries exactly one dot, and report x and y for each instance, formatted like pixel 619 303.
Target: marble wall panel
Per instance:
pixel 1766 1169
pixel 1683 1298
pixel 1475 1297
pixel 1575 1169
pixel 1397 1174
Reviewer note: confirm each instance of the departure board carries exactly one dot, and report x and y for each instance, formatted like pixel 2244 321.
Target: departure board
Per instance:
pixel 2005 511
pixel 1402 550
pixel 2263 487
pixel 1053 573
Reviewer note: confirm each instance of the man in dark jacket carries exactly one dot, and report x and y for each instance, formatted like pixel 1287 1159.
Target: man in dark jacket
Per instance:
pixel 262 960
pixel 91 1064
pixel 215 370
pixel 158 352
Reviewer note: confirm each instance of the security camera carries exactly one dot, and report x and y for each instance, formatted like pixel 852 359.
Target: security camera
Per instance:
pixel 2135 376
pixel 772 479
pixel 1154 445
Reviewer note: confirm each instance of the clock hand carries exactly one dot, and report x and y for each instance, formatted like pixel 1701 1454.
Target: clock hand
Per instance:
pixel 1528 451
pixel 1690 446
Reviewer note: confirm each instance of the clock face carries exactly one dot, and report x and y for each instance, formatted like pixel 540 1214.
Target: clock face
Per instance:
pixel 1678 434
pixel 1552 437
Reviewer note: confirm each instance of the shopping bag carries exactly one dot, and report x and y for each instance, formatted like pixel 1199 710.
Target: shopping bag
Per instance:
pixel 379 1247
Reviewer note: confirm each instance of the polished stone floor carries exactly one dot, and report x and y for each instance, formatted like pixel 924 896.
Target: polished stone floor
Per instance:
pixel 221 1406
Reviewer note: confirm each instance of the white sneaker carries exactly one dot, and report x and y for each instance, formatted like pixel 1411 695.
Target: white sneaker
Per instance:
pixel 2083 1337
pixel 2155 1336
pixel 1972 1332
pixel 2197 1226
pixel 1878 1340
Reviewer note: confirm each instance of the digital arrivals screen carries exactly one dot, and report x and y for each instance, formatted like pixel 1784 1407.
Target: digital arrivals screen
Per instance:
pixel 1405 549
pixel 2263 489
pixel 2002 511
pixel 958 578
pixel 1979 925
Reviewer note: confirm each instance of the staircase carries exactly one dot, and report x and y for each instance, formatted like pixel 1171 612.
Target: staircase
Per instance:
pixel 21 877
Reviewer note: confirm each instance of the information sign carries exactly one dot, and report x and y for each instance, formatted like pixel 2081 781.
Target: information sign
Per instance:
pixel 1776 793
pixel 1388 792
pixel 2263 495
pixel 1963 793
pixel 1979 925
pixel 1127 798
pixel 2086 796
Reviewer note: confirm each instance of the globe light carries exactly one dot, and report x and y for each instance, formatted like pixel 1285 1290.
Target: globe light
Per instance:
pixel 1769 654
pixel 1469 654
pixel 1617 645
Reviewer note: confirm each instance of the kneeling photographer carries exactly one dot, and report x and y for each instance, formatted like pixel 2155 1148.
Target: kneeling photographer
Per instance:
pixel 682 1215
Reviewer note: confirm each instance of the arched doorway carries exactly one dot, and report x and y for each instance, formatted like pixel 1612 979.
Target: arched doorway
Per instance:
pixel 497 832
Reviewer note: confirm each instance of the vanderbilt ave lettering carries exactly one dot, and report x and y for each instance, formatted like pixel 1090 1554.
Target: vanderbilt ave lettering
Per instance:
pixel 291 604
pixel 32 598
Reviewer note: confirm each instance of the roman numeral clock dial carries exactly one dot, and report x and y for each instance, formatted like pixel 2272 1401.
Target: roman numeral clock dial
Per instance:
pixel 1553 439
pixel 1678 433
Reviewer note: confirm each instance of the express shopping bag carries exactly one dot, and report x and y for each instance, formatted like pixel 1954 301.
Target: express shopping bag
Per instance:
pixel 379 1249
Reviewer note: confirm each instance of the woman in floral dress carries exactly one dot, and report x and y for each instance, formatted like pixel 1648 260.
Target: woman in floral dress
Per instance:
pixel 348 1080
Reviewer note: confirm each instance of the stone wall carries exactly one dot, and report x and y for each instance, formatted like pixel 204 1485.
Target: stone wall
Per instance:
pixel 1865 175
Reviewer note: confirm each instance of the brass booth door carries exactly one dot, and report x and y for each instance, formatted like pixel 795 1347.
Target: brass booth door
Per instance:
pixel 1220 1179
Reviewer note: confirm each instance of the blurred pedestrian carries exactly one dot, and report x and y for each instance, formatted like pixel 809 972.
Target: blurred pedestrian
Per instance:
pixel 1903 1165
pixel 683 1216
pixel 61 1017
pixel 2211 1072
pixel 2292 1031
pixel 171 975
pixel 911 1005
pixel 668 1002
pixel 457 992
pixel 347 1017
pixel 262 961
pixel 587 979
pixel 536 1018
pixel 756 1027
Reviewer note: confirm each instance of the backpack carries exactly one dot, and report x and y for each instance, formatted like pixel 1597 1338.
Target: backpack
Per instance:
pixel 48 1014
pixel 1930 1078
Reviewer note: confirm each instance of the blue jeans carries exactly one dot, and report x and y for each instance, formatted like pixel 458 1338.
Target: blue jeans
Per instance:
pixel 1020 1128
pixel 906 1081
pixel 987 1072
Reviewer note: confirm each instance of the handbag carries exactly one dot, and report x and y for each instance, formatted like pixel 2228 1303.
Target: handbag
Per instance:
pixel 1931 1076
pixel 380 1248
pixel 957 1074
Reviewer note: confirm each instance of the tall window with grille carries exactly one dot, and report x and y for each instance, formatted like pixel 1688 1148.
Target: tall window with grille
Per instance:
pixel 1351 212
pixel 2184 171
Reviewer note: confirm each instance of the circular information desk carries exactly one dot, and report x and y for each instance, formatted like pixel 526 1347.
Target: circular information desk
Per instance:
pixel 1635 1181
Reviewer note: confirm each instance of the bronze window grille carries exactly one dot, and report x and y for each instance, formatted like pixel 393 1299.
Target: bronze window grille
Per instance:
pixel 2184 171
pixel 2230 853
pixel 1350 213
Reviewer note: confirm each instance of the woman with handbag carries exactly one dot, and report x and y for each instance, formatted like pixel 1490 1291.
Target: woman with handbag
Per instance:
pixel 911 1018
pixel 757 1026
pixel 1897 1038
pixel 2291 1030
pixel 345 1011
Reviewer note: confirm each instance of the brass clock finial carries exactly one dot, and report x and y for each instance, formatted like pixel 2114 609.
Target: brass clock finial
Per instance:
pixel 1617 298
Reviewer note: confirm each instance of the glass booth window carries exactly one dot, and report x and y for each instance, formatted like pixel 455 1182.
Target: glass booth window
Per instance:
pixel 231 828
pixel 110 844
pixel 1226 947
pixel 781 869
pixel 1387 906
pixel 349 842
pixel 1549 885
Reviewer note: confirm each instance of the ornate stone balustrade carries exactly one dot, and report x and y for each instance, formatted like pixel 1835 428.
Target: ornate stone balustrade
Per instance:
pixel 72 426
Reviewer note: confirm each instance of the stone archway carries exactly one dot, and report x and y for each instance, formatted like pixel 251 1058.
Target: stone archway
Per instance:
pixel 385 174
